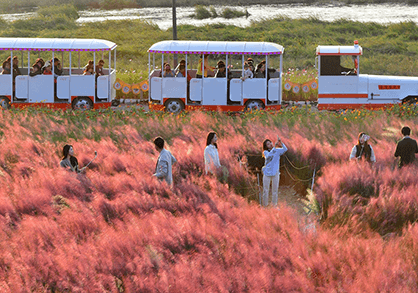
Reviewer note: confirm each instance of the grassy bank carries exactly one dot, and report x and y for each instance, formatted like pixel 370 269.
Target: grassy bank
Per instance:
pixel 29 5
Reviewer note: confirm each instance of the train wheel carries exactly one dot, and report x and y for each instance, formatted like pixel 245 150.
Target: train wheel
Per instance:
pixel 4 103
pixel 82 103
pixel 115 103
pixel 254 105
pixel 412 101
pixel 174 106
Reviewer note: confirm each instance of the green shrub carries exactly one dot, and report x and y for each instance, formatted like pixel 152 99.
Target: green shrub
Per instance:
pixel 233 13
pixel 50 11
pixel 213 12
pixel 201 12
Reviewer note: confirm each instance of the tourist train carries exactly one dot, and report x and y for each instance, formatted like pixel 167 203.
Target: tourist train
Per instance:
pixel 200 86
pixel 72 88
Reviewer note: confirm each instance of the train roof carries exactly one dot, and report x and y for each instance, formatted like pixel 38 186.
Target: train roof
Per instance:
pixel 55 44
pixel 214 47
pixel 339 50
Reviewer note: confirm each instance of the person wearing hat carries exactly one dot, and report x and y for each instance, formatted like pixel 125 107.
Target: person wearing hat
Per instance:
pixel 221 69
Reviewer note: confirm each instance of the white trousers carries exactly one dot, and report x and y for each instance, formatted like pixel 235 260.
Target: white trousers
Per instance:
pixel 274 181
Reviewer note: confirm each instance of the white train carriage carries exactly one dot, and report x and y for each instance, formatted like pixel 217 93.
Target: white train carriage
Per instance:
pixel 231 93
pixel 341 86
pixel 71 89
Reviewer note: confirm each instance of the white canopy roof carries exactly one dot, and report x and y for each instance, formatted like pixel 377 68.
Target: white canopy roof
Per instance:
pixel 339 50
pixel 208 47
pixel 47 44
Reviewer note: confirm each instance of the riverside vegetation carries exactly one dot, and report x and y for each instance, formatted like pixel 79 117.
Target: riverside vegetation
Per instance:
pixel 116 229
pixel 27 5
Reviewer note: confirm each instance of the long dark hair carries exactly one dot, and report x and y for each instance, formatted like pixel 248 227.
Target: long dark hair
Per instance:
pixel 211 135
pixel 365 149
pixel 265 144
pixel 65 152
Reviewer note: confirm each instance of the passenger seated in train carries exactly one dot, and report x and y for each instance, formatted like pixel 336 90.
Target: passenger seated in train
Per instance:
pixel 221 69
pixel 260 71
pixel 182 72
pixel 167 70
pixel 99 68
pixel 89 69
pixel 6 68
pixel 182 62
pixel 57 68
pixel 16 70
pixel 40 62
pixel 247 72
pixel 47 69
pixel 250 63
pixel 206 67
pixel 36 70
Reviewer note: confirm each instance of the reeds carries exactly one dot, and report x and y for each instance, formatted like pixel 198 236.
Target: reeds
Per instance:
pixel 117 229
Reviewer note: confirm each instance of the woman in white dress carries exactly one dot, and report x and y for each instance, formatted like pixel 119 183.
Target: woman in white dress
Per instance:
pixel 211 154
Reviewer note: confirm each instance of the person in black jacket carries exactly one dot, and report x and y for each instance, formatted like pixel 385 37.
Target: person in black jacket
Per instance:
pixel 406 148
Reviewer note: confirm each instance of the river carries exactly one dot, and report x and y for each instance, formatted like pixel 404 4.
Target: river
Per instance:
pixel 379 13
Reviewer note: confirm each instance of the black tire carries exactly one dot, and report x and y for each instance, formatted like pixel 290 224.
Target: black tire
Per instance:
pixel 82 103
pixel 253 105
pixel 4 103
pixel 174 106
pixel 411 100
pixel 115 103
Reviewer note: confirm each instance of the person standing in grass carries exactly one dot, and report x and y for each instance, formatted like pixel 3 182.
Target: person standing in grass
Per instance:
pixel 69 161
pixel 211 154
pixel 271 169
pixel 406 148
pixel 363 149
pixel 163 169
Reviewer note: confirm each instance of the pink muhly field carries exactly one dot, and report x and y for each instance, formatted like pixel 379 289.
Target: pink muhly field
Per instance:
pixel 115 228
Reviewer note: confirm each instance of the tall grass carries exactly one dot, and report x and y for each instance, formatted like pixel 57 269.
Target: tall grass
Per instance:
pixel 117 229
